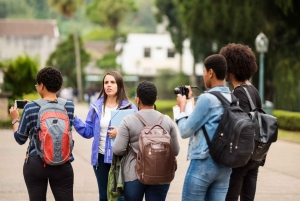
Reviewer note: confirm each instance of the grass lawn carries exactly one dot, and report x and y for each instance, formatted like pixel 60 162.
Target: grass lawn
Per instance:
pixel 292 136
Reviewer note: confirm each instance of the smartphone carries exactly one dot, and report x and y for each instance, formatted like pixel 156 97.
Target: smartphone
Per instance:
pixel 20 104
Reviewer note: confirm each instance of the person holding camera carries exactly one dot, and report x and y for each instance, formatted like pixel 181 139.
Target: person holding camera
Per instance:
pixel 241 63
pixel 36 173
pixel 205 179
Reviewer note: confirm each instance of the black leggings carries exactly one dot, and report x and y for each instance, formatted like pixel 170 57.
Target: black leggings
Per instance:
pixel 61 180
pixel 243 182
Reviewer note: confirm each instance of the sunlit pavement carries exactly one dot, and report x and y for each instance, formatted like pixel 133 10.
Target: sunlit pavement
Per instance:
pixel 278 180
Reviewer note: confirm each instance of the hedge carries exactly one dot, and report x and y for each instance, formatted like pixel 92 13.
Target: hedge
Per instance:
pixel 165 106
pixel 5 124
pixel 288 120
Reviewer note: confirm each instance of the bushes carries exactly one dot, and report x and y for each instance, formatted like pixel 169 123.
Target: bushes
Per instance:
pixel 31 97
pixel 288 120
pixel 5 124
pixel 165 106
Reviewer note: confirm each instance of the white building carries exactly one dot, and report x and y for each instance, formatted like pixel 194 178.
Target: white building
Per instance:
pixel 146 54
pixel 36 38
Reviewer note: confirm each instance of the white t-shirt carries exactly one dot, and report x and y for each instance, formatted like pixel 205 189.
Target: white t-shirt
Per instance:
pixel 105 119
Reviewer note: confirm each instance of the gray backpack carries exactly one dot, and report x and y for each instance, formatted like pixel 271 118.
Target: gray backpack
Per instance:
pixel 53 137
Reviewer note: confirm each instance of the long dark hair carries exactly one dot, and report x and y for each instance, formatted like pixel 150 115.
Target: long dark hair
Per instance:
pixel 121 93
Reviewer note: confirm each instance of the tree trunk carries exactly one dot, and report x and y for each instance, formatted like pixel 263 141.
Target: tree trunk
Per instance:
pixel 78 67
pixel 193 79
pixel 180 63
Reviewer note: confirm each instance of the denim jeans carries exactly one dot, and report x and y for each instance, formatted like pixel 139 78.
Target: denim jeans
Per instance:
pixel 135 190
pixel 243 182
pixel 101 173
pixel 205 180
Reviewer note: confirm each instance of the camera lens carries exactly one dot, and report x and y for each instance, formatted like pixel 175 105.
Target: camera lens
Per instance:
pixel 176 90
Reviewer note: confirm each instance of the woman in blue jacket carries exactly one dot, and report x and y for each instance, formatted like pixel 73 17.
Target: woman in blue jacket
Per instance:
pixel 97 124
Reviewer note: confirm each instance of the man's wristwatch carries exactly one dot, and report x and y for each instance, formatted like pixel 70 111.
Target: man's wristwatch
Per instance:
pixel 15 121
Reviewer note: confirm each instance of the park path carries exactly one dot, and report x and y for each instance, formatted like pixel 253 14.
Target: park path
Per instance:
pixel 278 180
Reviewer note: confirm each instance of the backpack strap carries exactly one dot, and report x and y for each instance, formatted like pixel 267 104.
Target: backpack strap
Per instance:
pixel 160 119
pixel 250 99
pixel 206 137
pixel 141 119
pixel 224 100
pixel 145 123
pixel 42 102
pixel 62 101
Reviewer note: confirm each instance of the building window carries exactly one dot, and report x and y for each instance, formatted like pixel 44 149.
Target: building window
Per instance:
pixel 147 52
pixel 171 53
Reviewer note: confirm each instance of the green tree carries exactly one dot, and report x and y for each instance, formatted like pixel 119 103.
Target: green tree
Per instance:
pixel 109 13
pixel 169 80
pixel 19 76
pixel 167 8
pixel 67 8
pixel 108 61
pixel 40 9
pixel 143 20
pixel 15 9
pixel 228 21
pixel 63 58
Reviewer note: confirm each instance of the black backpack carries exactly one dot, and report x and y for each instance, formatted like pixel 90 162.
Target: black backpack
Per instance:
pixel 266 129
pixel 233 142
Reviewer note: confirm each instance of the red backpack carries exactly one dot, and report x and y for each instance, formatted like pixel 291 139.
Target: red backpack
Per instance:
pixel 53 137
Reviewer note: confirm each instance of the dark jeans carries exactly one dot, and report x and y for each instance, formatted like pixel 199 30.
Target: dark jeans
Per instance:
pixel 135 190
pixel 60 177
pixel 101 173
pixel 243 182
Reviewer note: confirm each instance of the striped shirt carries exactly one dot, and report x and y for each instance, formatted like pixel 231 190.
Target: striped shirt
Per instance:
pixel 29 120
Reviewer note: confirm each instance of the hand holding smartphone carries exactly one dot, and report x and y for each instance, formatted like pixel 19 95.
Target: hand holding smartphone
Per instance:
pixel 20 104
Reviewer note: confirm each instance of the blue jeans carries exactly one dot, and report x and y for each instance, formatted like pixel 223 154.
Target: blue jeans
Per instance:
pixel 135 190
pixel 205 180
pixel 101 173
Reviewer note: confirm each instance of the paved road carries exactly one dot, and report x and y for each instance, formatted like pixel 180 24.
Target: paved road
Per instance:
pixel 279 180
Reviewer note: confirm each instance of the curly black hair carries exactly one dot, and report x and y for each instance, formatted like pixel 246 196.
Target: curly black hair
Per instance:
pixel 218 64
pixel 147 93
pixel 51 78
pixel 241 61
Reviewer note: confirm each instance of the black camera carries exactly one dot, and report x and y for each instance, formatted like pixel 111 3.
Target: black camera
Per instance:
pixel 183 90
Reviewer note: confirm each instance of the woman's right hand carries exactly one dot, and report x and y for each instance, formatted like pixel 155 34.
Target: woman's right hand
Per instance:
pixel 181 101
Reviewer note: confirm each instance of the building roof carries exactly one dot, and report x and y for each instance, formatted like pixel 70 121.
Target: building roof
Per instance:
pixel 28 28
pixel 97 48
